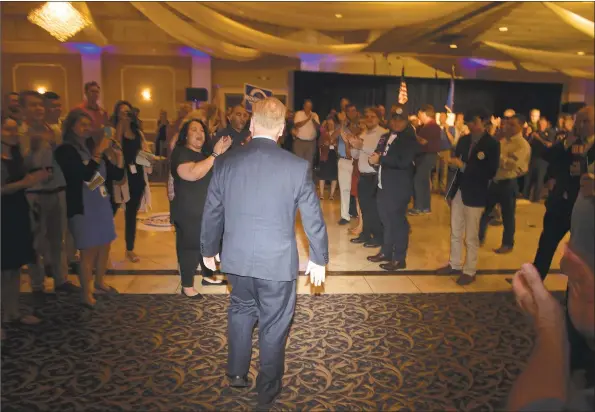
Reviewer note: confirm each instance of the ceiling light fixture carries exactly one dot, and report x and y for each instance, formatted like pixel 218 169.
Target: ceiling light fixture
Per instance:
pixel 146 95
pixel 41 90
pixel 503 29
pixel 580 53
pixel 453 46
pixel 339 16
pixel 60 19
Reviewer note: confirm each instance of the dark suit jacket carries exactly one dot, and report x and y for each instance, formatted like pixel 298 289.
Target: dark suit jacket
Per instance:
pixel 481 166
pixel 397 165
pixel 252 201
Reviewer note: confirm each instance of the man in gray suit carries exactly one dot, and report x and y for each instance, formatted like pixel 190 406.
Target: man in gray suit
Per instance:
pixel 252 201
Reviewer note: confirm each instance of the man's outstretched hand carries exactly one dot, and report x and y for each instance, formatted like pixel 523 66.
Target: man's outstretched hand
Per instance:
pixel 317 273
pixel 210 262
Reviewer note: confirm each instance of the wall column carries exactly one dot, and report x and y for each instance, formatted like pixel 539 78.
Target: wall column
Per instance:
pixel 91 69
pixel 576 90
pixel 201 73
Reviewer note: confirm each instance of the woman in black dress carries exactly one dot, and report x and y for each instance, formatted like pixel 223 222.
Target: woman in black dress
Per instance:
pixel 128 133
pixel 191 172
pixel 17 238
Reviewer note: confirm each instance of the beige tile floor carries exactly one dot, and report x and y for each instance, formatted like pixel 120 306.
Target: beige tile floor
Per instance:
pixel 428 250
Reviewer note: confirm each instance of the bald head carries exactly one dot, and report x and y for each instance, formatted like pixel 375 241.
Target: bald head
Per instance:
pixel 584 125
pixel 268 118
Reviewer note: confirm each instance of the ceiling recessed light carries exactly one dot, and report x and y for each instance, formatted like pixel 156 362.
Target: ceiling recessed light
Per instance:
pixel 580 53
pixel 339 15
pixel 503 29
pixel 453 46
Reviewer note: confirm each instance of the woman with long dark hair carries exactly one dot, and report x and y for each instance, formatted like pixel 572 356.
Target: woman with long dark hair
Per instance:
pixel 132 189
pixel 191 168
pixel 17 237
pixel 89 212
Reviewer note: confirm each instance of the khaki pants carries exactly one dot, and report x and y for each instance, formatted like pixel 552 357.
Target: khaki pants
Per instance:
pixel 305 149
pixel 345 171
pixel 440 181
pixel 464 223
pixel 48 224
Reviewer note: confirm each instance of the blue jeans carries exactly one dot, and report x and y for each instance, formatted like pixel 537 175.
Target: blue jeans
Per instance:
pixel 422 191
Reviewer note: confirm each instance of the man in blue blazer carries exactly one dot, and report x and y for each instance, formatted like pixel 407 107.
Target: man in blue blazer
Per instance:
pixel 253 197
pixel 477 157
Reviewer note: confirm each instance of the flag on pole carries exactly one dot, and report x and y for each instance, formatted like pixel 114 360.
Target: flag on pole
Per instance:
pixel 450 100
pixel 403 88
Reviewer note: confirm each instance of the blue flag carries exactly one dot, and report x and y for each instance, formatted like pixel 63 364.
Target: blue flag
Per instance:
pixel 450 100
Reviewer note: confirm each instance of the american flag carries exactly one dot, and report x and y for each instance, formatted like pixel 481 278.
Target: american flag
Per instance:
pixel 403 89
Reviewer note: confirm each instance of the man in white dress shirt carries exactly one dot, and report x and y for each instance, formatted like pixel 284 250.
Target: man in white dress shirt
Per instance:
pixel 362 148
pixel 307 124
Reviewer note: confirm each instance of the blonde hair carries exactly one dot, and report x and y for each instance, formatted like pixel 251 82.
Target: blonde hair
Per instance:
pixel 268 113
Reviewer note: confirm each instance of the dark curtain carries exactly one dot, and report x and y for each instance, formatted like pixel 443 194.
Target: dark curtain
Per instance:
pixel 326 90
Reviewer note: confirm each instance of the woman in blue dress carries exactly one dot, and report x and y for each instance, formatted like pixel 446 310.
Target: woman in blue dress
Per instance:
pixel 89 211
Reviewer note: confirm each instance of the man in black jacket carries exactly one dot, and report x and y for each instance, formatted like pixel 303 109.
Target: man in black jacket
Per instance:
pixel 477 157
pixel 569 159
pixel 395 154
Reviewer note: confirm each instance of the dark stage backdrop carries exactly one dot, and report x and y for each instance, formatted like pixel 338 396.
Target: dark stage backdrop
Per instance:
pixel 326 90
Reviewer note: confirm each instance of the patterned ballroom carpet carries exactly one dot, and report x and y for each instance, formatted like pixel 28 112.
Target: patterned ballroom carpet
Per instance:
pixel 430 352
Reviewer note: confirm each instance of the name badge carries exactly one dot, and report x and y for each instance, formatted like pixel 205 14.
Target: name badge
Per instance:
pixel 133 169
pixel 331 147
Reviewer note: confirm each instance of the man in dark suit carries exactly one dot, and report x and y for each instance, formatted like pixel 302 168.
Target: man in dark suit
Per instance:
pixel 477 157
pixel 252 202
pixel 395 155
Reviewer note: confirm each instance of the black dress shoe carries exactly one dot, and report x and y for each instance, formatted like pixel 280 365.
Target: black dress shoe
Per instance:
pixel 380 257
pixel 394 265
pixel 358 240
pixel 238 381
pixel 343 222
pixel 372 244
pixel 503 250
pixel 218 282
pixel 465 280
pixel 448 270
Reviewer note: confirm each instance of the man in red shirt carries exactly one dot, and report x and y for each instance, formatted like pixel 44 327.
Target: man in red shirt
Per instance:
pixel 428 135
pixel 97 113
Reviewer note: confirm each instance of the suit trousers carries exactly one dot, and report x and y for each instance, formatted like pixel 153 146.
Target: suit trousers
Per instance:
pixel 48 234
pixel 422 193
pixel 535 179
pixel 305 149
pixel 502 192
pixel 345 172
pixel 556 223
pixel 372 227
pixel 464 223
pixel 272 305
pixel 392 208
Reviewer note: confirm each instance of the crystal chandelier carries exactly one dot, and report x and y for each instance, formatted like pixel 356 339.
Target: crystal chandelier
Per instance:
pixel 59 18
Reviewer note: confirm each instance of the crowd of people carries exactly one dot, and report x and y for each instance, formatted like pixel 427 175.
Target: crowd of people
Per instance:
pixel 64 181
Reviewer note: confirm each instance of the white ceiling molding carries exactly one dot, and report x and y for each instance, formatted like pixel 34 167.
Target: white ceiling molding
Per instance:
pixel 578 22
pixel 190 36
pixel 231 30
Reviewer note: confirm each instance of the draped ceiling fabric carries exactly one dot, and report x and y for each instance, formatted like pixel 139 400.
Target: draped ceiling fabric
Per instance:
pixel 578 22
pixel 539 36
pixel 580 66
pixel 231 30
